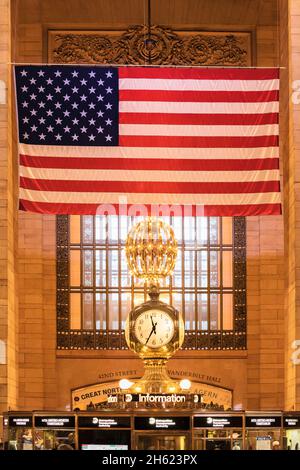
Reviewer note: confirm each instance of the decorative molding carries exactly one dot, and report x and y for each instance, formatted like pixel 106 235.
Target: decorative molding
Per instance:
pixel 163 47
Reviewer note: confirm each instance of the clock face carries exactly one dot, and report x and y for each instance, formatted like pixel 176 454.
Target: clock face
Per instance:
pixel 154 328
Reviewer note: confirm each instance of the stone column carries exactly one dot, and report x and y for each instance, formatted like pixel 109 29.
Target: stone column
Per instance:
pixel 290 113
pixel 8 214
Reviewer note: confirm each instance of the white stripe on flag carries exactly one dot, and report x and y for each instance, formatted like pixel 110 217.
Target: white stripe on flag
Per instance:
pixel 197 85
pixel 136 198
pixel 149 152
pixel 195 130
pixel 198 108
pixel 146 175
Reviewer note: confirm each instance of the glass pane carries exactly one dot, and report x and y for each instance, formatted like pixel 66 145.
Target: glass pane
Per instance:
pixel 215 312
pixel 100 311
pixel 139 298
pixel 113 228
pixel 100 229
pixel 177 227
pixel 202 268
pixel 177 301
pixel 227 230
pixel 227 268
pixel 189 230
pixel 100 268
pixel 214 268
pixel 113 300
pixel 214 230
pixel 202 312
pixel 177 276
pixel 125 307
pixel 87 229
pixel 75 228
pixel 189 301
pixel 124 227
pixel 88 311
pixel 113 263
pixel 189 269
pixel 75 268
pixel 201 230
pixel 227 312
pixel 75 309
pixel 87 268
pixel 125 274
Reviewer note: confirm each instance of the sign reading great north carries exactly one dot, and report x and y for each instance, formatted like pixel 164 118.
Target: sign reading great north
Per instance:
pixel 98 393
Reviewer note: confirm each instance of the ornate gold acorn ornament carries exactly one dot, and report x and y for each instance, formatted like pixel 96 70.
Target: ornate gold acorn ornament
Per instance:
pixel 154 330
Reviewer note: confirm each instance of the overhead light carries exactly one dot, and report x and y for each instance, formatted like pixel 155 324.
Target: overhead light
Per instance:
pixel 185 384
pixel 124 384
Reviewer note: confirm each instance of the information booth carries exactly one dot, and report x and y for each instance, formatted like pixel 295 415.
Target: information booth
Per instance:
pixel 54 431
pixel 104 432
pixel 218 432
pixel 17 431
pixel 291 431
pixel 263 431
pixel 158 431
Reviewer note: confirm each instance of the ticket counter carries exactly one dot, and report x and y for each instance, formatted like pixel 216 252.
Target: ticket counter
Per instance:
pixel 263 431
pixel 104 432
pixel 54 431
pixel 291 431
pixel 218 432
pixel 162 432
pixel 17 431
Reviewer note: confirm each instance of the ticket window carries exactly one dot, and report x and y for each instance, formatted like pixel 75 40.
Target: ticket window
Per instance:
pixel 263 433
pixel 54 433
pixel 162 442
pixel 18 434
pixel 104 433
pixel 221 433
pixel 218 439
pixel 291 438
pixel 162 433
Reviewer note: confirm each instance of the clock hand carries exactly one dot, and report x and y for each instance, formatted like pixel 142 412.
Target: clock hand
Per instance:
pixel 151 332
pixel 154 327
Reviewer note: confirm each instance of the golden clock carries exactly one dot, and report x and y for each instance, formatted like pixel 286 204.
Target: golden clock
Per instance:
pixel 154 329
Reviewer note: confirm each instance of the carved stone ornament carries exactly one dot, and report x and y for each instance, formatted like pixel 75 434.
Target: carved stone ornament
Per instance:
pixel 162 47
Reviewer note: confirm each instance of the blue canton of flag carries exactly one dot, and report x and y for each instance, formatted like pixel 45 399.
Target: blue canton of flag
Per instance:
pixel 68 105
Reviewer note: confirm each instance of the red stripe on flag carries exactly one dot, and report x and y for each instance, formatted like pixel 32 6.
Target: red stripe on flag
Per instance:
pixel 149 186
pixel 205 119
pixel 92 209
pixel 202 142
pixel 199 96
pixel 199 73
pixel 86 163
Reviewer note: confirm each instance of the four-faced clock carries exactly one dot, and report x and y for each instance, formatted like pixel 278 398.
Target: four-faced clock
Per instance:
pixel 154 328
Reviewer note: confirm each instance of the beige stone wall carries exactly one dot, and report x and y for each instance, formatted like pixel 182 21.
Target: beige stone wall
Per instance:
pixel 291 35
pixel 8 233
pixel 46 377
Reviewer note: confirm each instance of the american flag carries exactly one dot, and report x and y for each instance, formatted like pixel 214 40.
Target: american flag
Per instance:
pixel 93 135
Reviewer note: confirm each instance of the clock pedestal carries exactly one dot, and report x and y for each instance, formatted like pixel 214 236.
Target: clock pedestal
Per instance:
pixel 155 379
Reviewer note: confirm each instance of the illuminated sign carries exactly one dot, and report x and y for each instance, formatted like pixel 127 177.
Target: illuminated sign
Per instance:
pixel 54 421
pixel 181 423
pixel 218 422
pixel 103 422
pixel 291 421
pixel 20 421
pixel 263 421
